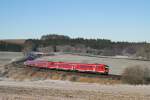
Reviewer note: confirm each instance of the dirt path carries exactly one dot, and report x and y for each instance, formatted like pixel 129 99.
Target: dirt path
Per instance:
pixel 64 90
pixel 7 57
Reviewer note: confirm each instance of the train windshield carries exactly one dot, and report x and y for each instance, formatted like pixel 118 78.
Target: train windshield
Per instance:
pixel 106 66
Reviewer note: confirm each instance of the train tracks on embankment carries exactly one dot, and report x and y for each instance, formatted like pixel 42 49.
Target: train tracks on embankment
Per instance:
pixel 67 73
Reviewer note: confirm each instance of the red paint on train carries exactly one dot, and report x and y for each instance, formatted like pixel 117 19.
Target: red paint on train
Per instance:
pixel 97 68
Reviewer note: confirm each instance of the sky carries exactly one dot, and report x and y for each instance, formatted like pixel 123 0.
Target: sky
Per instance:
pixel 117 20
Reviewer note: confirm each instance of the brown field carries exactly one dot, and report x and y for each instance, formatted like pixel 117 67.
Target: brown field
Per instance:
pixel 7 57
pixel 16 41
pixel 64 90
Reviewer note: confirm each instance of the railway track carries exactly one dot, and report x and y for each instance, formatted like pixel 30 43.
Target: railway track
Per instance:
pixel 68 72
pixel 78 74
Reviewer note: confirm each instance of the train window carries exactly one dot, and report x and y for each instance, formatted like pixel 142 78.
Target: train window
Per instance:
pixel 85 66
pixel 106 66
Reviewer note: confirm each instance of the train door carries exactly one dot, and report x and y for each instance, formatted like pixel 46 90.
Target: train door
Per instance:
pixel 100 69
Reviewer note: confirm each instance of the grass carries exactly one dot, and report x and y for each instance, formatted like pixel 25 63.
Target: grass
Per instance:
pixel 79 92
pixel 136 75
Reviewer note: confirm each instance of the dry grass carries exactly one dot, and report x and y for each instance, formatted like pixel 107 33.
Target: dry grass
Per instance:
pixel 32 89
pixel 98 80
pixel 136 75
pixel 15 71
pixel 60 90
pixel 7 57
pixel 55 77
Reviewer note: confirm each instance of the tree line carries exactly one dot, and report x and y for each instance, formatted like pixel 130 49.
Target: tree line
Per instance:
pixel 4 46
pixel 56 43
pixel 54 40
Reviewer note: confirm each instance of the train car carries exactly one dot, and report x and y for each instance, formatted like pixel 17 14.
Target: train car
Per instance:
pixel 65 66
pixel 35 63
pixel 96 68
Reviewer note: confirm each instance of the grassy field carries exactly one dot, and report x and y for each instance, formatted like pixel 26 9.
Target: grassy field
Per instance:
pixel 6 57
pixel 116 65
pixel 27 84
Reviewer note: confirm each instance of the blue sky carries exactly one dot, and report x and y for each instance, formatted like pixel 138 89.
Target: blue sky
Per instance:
pixel 118 20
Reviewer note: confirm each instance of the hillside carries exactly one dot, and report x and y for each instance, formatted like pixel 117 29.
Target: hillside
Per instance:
pixel 18 82
pixel 61 43
pixel 103 47
pixel 14 41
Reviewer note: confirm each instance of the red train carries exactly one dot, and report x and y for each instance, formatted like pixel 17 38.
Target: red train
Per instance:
pixel 96 68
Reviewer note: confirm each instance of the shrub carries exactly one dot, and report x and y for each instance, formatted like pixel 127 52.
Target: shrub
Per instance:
pixel 63 76
pixel 74 78
pixel 136 75
pixel 144 52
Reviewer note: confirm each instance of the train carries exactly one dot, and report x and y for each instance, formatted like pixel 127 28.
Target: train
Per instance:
pixel 80 67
